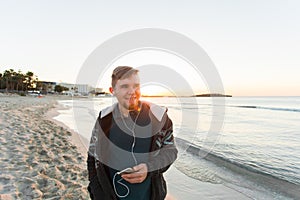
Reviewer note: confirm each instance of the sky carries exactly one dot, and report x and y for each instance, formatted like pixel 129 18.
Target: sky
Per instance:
pixel 254 45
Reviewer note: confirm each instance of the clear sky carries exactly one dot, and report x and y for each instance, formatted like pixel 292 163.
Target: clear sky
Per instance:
pixel 255 45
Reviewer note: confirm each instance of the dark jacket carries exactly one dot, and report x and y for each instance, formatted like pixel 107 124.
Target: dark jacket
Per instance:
pixel 162 153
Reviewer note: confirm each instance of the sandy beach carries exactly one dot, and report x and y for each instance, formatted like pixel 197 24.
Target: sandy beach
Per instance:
pixel 42 159
pixel 37 160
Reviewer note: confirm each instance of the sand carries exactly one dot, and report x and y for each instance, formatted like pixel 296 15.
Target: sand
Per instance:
pixel 41 158
pixel 37 161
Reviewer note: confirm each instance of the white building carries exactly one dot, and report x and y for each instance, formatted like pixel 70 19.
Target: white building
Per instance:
pixel 77 89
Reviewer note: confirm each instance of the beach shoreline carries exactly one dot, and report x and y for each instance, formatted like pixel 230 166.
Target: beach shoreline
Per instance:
pixel 175 179
pixel 75 138
pixel 44 158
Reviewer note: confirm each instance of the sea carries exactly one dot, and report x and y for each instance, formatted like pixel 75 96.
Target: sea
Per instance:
pixel 249 144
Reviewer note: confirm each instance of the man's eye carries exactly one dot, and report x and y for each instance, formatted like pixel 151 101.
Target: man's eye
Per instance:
pixel 124 86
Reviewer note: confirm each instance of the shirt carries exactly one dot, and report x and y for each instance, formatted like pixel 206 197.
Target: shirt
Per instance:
pixel 130 144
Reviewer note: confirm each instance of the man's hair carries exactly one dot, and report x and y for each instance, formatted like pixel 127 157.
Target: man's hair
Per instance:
pixel 122 72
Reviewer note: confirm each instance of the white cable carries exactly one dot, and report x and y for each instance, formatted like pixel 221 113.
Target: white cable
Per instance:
pixel 133 135
pixel 123 184
pixel 132 153
pixel 132 147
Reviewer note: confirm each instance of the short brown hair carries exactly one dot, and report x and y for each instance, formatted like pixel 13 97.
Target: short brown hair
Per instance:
pixel 122 72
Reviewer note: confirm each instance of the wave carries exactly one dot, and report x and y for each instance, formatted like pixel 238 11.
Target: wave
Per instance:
pixel 243 106
pixel 250 174
pixel 269 108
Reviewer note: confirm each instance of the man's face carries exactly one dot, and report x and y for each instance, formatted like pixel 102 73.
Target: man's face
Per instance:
pixel 127 91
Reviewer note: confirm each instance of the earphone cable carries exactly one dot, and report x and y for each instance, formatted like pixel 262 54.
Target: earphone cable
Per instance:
pixel 133 156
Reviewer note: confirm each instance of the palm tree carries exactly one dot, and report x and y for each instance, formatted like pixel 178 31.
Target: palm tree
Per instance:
pixel 11 80
pixel 8 78
pixel 1 75
pixel 29 80
pixel 20 81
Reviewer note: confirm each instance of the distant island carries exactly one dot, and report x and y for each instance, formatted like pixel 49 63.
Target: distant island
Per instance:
pixel 212 95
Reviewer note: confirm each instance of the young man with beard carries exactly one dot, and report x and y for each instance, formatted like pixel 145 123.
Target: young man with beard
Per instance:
pixel 133 135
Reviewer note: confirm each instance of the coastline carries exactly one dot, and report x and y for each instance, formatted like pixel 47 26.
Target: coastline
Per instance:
pixel 44 158
pixel 180 186
pixel 75 138
pixel 183 187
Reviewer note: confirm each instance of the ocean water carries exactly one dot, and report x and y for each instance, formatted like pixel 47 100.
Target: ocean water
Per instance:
pixel 256 150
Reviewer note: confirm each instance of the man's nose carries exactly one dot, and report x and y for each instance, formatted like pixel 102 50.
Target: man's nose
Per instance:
pixel 131 90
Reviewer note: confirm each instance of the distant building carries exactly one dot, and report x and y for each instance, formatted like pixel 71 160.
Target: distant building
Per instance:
pixel 45 86
pixel 77 89
pixel 98 90
pixel 74 89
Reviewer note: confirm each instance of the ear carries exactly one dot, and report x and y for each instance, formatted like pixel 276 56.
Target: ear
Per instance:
pixel 111 90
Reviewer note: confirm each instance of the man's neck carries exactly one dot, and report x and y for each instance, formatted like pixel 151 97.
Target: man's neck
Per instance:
pixel 124 112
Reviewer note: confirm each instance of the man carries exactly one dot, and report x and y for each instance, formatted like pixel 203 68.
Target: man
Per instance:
pixel 130 134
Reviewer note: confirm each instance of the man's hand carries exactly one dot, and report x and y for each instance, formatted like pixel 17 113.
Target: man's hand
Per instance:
pixel 138 176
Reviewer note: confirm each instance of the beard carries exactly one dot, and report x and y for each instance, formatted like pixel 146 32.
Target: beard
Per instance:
pixel 133 107
pixel 133 103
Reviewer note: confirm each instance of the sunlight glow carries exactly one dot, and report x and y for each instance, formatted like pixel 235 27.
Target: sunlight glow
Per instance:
pixel 154 90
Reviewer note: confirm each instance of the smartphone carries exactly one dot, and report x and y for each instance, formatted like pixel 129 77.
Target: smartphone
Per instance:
pixel 128 170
